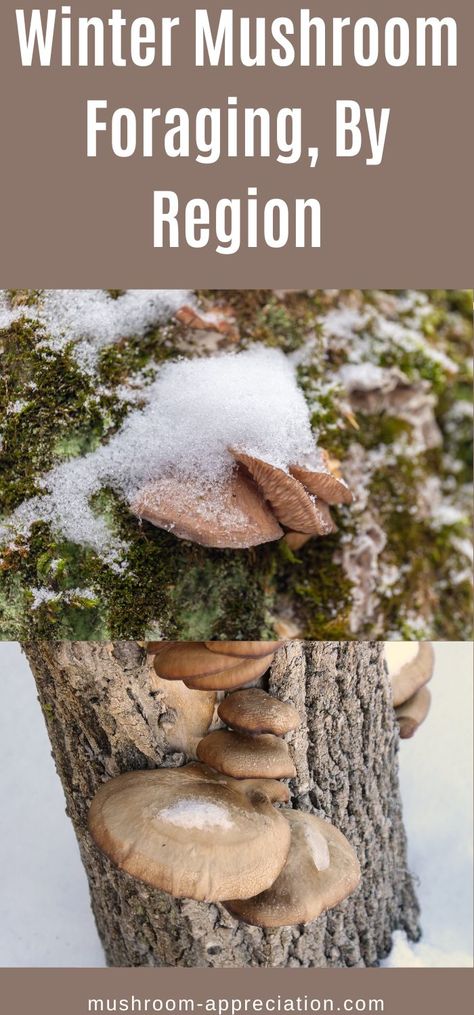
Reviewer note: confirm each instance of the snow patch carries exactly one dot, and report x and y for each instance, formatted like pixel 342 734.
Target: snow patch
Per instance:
pixel 196 410
pixel 363 376
pixel 199 814
pixel 8 314
pixel 406 955
pixel 44 595
pixel 91 319
pixel 318 847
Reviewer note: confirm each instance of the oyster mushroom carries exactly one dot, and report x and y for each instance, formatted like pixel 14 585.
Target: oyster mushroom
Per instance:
pixel 413 712
pixel 294 507
pixel 193 837
pixel 244 648
pixel 276 791
pixel 204 668
pixel 410 666
pixel 188 659
pixel 255 711
pixel 323 480
pixel 246 757
pixel 245 672
pixel 321 870
pixel 188 713
pixel 232 515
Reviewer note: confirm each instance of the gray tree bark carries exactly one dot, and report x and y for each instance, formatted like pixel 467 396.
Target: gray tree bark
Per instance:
pixel 105 717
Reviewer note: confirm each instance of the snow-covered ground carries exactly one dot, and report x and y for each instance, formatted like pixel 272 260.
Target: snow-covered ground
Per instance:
pixel 45 919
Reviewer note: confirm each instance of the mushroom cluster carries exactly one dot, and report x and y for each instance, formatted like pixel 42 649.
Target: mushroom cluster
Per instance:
pixel 257 503
pixel 410 666
pixel 209 830
pixel 214 665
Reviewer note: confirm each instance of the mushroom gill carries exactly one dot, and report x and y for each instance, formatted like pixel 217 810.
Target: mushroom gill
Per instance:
pixel 254 504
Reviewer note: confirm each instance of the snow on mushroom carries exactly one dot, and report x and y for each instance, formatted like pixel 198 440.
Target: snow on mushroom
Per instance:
pixel 171 461
pixel 321 871
pixel 191 836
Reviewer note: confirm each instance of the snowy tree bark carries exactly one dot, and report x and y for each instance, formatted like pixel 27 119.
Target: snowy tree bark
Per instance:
pixel 104 717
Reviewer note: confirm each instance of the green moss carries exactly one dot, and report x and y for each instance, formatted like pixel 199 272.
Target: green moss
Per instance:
pixel 45 401
pixel 261 317
pixel 424 556
pixel 119 361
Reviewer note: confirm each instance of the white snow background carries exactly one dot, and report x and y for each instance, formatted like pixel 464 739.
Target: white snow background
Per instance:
pixel 45 917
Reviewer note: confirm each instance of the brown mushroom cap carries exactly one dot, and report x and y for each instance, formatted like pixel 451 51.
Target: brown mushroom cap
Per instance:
pixel 292 504
pixel 246 757
pixel 190 836
pixel 244 648
pixel 189 659
pixel 322 484
pixel 408 674
pixel 277 792
pixel 295 540
pixel 153 647
pixel 245 672
pixel 302 891
pixel 413 712
pixel 233 515
pixel 256 711
pixel 188 714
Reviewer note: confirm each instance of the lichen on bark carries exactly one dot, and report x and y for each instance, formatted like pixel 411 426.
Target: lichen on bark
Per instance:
pixel 104 717
pixel 387 379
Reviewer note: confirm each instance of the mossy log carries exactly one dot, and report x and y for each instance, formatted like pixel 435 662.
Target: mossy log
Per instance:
pixel 387 380
pixel 104 718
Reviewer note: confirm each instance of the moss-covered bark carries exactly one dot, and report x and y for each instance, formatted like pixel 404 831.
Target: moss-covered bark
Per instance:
pixel 403 450
pixel 103 718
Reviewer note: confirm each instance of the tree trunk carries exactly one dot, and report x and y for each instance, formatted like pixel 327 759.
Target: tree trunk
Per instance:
pixel 104 717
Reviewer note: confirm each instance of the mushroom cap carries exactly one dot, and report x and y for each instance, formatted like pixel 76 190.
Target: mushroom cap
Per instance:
pixel 246 757
pixel 409 670
pixel 244 648
pixel 322 484
pixel 188 715
pixel 292 504
pixel 295 540
pixel 302 891
pixel 245 672
pixel 153 647
pixel 277 792
pixel 190 836
pixel 256 711
pixel 190 659
pixel 233 514
pixel 413 712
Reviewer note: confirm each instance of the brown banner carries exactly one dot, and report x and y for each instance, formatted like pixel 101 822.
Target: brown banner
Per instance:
pixel 233 991
pixel 72 221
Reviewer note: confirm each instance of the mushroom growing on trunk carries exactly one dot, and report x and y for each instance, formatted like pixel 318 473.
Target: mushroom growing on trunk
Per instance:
pixel 254 504
pixel 321 870
pixel 205 666
pixel 191 836
pixel 410 666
